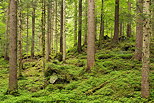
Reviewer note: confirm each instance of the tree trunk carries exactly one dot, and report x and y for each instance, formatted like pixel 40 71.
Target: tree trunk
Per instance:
pixel 56 30
pixel 33 31
pixel 91 35
pixel 139 30
pixel 121 29
pixel 86 22
pixel 116 22
pixel 20 42
pixel 49 31
pixel 75 22
pixel 27 47
pixel 43 28
pixel 61 28
pixel 129 22
pixel 146 51
pixel 13 47
pixel 80 27
pixel 152 19
pixel 101 36
pixel 64 35
pixel 6 54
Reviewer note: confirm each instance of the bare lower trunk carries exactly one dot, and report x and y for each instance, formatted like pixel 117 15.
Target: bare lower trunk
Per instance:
pixel 75 23
pixel 80 27
pixel 101 36
pixel 13 47
pixel 116 23
pixel 139 30
pixel 91 35
pixel 129 22
pixel 33 32
pixel 146 51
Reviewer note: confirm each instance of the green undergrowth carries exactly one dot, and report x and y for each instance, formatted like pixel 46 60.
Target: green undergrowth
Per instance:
pixel 68 82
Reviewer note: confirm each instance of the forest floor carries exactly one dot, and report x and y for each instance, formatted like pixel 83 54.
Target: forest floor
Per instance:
pixel 116 78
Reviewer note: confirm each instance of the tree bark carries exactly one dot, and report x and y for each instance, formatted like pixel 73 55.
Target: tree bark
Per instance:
pixel 49 31
pixel 20 41
pixel 13 47
pixel 129 22
pixel 86 22
pixel 146 51
pixel 6 54
pixel 56 30
pixel 61 28
pixel 43 28
pixel 101 36
pixel 33 31
pixel 139 30
pixel 91 35
pixel 27 47
pixel 116 22
pixel 80 27
pixel 75 22
pixel 64 35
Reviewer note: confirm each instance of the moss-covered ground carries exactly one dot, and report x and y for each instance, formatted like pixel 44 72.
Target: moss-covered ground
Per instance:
pixel 116 78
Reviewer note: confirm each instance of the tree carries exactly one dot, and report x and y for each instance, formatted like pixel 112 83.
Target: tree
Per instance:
pixel 129 22
pixel 116 22
pixel 101 36
pixel 20 39
pixel 139 30
pixel 146 51
pixel 61 27
pixel 75 22
pixel 64 35
pixel 43 28
pixel 91 35
pixel 80 27
pixel 33 30
pixel 13 86
pixel 86 22
pixel 6 54
pixel 49 31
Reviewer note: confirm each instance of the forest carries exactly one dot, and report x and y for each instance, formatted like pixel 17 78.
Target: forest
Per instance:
pixel 76 51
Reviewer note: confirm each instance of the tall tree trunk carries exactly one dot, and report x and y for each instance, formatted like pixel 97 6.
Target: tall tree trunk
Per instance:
pixel 6 54
pixel 129 22
pixel 91 35
pixel 80 27
pixel 116 22
pixel 33 31
pixel 139 30
pixel 64 35
pixel 49 31
pixel 61 27
pixel 56 30
pixel 20 42
pixel 146 51
pixel 27 44
pixel 101 36
pixel 75 22
pixel 86 22
pixel 43 28
pixel 13 47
